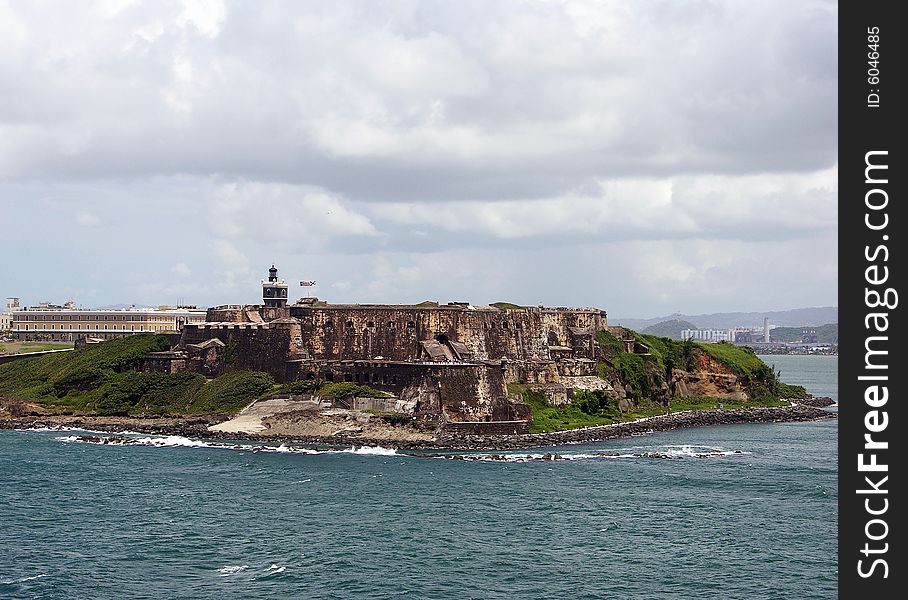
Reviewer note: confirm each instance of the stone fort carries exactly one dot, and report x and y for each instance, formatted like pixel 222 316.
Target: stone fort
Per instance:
pixel 451 362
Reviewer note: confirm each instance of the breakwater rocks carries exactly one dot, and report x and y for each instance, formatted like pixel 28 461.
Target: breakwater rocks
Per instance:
pixel 198 428
pixel 816 401
pixel 697 418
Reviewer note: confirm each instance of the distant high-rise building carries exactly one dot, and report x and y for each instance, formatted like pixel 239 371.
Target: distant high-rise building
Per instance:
pixel 766 329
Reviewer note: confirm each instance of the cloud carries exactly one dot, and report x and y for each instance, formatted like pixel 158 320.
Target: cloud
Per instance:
pixel 87 220
pixel 435 149
pixel 283 216
pixel 181 270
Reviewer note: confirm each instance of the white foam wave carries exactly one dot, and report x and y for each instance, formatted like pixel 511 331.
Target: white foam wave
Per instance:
pixel 21 579
pixel 60 428
pixel 231 569
pixel 177 441
pixel 375 450
pixel 274 570
pixel 41 429
pixel 171 440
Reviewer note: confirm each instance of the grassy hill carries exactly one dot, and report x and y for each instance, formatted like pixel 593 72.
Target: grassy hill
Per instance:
pixel 647 377
pixel 670 329
pixel 100 378
pixel 826 334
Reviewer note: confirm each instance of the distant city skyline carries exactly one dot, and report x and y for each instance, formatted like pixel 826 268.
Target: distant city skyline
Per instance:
pixel 642 158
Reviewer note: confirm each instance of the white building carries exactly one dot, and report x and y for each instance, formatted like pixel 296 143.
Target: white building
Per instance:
pixel 49 322
pixel 708 335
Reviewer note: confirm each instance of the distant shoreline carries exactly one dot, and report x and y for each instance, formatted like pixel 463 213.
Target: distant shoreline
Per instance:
pixel 198 428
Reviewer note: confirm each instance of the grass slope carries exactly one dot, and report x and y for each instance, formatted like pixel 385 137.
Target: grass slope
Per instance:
pixel 646 374
pixel 826 334
pixel 101 378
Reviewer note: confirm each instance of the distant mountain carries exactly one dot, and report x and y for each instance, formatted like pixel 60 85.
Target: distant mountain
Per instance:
pixel 670 329
pixel 798 317
pixel 826 334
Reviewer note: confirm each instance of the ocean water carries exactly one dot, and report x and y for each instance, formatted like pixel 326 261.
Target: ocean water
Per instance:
pixel 743 511
pixel 819 374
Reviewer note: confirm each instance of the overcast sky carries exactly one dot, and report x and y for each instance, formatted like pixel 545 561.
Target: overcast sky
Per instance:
pixel 644 157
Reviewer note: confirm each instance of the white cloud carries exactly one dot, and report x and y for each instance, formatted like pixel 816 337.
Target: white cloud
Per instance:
pixel 283 216
pixel 87 220
pixel 181 270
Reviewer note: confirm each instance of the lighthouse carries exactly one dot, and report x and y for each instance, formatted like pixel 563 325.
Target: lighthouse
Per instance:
pixel 274 290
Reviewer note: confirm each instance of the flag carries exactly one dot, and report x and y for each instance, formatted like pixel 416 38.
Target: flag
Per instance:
pixel 307 283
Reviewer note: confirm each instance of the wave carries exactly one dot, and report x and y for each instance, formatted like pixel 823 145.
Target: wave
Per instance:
pixel 178 441
pixel 374 450
pixel 21 579
pixel 231 569
pixel 274 570
pixel 61 428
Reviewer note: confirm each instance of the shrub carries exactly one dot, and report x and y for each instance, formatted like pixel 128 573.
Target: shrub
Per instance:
pixel 231 392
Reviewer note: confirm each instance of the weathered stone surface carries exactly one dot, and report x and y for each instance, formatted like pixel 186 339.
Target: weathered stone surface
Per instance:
pixel 449 363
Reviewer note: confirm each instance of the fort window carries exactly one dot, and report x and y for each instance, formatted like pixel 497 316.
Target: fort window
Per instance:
pixel 411 325
pixel 349 324
pixel 491 325
pixel 328 324
pixel 370 324
pixel 504 325
pixel 359 378
pixel 348 377
pixel 329 376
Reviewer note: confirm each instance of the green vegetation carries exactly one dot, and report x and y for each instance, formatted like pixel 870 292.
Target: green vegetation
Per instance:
pixel 428 304
pixel 645 373
pixel 826 334
pixel 231 392
pixel 609 343
pixel 786 390
pixel 304 386
pixel 549 418
pixel 740 359
pixel 507 306
pixel 670 329
pixel 100 378
pixel 593 408
pixel 23 347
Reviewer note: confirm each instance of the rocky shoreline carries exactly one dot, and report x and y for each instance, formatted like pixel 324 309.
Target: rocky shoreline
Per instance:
pixel 198 428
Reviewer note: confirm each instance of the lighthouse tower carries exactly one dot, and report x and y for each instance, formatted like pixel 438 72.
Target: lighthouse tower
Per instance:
pixel 274 290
